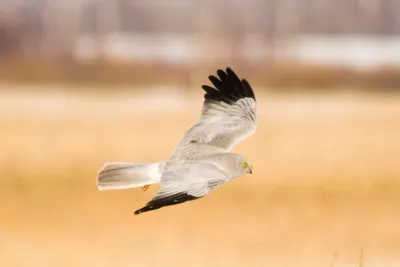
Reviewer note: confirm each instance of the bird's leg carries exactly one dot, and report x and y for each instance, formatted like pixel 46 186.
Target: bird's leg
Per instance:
pixel 144 188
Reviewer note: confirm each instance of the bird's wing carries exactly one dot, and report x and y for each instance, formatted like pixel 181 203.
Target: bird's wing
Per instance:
pixel 228 115
pixel 188 182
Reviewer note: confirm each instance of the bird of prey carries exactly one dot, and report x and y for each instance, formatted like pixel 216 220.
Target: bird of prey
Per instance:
pixel 202 159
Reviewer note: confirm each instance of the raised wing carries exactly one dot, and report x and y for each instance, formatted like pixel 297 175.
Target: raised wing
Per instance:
pixel 228 115
pixel 188 182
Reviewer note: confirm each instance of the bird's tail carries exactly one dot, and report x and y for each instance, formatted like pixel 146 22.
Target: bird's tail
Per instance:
pixel 124 175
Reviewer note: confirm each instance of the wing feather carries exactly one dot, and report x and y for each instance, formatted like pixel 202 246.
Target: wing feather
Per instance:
pixel 228 115
pixel 189 182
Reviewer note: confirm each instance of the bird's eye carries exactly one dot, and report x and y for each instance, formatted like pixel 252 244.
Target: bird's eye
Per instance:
pixel 244 164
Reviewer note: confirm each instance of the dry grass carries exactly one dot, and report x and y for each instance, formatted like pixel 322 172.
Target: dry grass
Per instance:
pixel 326 183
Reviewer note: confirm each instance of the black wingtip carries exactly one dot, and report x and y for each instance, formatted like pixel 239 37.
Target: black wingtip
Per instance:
pixel 165 201
pixel 227 87
pixel 144 209
pixel 229 70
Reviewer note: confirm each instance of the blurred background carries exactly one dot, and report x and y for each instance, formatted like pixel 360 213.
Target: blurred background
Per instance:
pixel 83 82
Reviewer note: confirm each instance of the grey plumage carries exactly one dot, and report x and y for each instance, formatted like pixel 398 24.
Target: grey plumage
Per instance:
pixel 202 159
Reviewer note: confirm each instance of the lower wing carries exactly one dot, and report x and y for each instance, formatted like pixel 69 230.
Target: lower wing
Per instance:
pixel 185 184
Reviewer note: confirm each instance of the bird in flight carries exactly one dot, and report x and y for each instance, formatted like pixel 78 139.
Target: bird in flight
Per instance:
pixel 202 159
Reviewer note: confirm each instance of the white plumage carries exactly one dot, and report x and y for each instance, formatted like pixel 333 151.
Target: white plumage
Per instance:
pixel 202 159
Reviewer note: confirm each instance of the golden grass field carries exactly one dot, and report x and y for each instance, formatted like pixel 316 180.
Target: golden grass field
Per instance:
pixel 325 189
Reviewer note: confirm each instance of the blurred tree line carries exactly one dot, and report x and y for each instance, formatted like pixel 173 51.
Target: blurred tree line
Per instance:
pixel 41 32
pixel 50 28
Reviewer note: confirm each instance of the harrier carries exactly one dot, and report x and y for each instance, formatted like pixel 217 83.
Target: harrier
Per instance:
pixel 202 159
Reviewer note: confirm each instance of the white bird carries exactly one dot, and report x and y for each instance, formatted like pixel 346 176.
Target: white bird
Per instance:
pixel 202 159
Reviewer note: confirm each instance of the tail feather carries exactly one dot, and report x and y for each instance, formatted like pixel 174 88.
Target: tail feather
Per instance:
pixel 166 201
pixel 124 175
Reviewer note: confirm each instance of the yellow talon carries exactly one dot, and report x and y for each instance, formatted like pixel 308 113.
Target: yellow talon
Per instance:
pixel 144 188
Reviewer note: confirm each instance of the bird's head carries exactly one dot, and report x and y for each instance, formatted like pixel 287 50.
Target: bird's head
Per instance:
pixel 247 167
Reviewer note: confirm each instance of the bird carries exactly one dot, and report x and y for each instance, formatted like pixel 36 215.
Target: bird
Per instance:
pixel 202 160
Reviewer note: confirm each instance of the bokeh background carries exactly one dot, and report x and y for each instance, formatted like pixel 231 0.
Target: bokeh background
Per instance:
pixel 83 82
